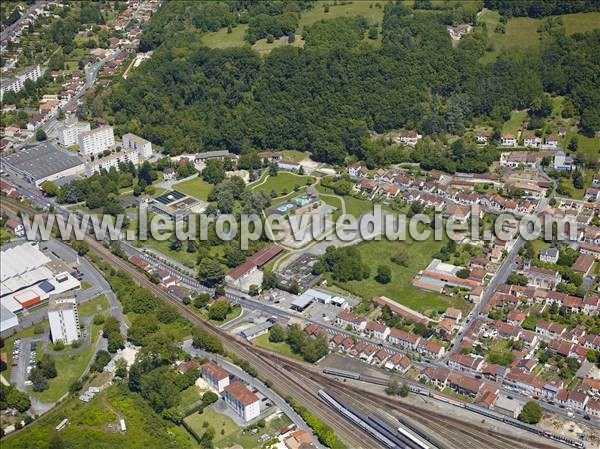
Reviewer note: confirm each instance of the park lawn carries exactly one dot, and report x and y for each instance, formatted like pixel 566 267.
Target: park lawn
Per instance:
pixel 93 306
pixel 95 425
pixel 69 368
pixel 514 123
pixel 588 145
pixel 521 32
pixel 262 341
pixel 283 183
pixel 195 187
pixel 189 397
pixel 364 8
pixel 354 206
pixel 294 155
pixel 334 202
pixel 187 259
pixel 223 39
pixel 400 289
pixel 228 433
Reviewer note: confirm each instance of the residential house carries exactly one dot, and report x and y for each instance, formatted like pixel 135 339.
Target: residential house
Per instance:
pixel 549 255
pixel 377 330
pixel 542 277
pixel 346 319
pixel 243 401
pixel 461 362
pixel 215 376
pixel 551 141
pixel 430 349
pixel 403 339
pixel 548 329
pixel 398 362
pixel 508 140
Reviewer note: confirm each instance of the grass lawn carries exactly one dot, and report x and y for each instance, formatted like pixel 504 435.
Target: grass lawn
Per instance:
pixel 262 341
pixel 85 285
pixel 93 306
pixel 95 425
pixel 236 310
pixel 69 368
pixel 516 120
pixel 195 187
pixel 367 9
pixel 334 202
pixel 400 289
pixel 296 156
pixel 228 433
pixel 283 183
pixel 522 31
pixel 188 259
pixel 354 206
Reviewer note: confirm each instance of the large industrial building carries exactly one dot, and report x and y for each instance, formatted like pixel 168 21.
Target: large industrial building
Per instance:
pixel 64 320
pixel 176 206
pixel 43 162
pixel 28 277
pixel 96 141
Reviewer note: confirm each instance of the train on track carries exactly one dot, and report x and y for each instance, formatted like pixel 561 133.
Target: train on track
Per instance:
pixel 383 432
pixel 474 408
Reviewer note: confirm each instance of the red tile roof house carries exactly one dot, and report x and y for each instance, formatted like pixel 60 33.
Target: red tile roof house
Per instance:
pixel 184 367
pixel 357 349
pixel 368 353
pixel 377 330
pixel 436 375
pixel 453 314
pixel 215 376
pixel 346 319
pixel 593 408
pixel 15 226
pixel 548 329
pixel 398 362
pixel 380 357
pixel 592 341
pixel 367 185
pixel 572 399
pixel 461 362
pixel 542 277
pixel 529 338
pixel 516 317
pixel 430 349
pixel 335 342
pixel 403 339
pixel 464 384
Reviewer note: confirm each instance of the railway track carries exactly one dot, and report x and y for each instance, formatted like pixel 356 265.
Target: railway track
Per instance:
pixel 295 379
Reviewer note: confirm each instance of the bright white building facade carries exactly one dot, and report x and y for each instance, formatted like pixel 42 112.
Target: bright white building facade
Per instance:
pixel 112 160
pixel 96 141
pixel 64 320
pixel 68 134
pixel 133 142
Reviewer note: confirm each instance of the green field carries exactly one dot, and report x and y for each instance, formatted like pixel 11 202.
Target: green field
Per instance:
pixel 400 289
pixel 354 206
pixel 228 433
pixel 96 424
pixel 195 187
pixel 296 156
pixel 521 32
pixel 93 306
pixel 516 120
pixel 262 341
pixel 69 368
pixel 367 9
pixel 283 183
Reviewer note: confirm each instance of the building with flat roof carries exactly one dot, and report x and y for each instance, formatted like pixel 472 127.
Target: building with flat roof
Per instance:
pixel 44 162
pixel 176 206
pixel 68 133
pixel 16 83
pixel 112 160
pixel 133 142
pixel 8 320
pixel 242 400
pixel 64 320
pixel 96 141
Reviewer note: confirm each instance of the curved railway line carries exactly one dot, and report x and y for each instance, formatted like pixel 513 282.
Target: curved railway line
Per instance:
pixel 293 378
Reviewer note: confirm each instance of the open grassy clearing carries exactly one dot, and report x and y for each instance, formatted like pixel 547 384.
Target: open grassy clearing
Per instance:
pixel 400 289
pixel 95 425
pixel 262 341
pixel 516 120
pixel 354 206
pixel 93 306
pixel 283 183
pixel 194 187
pixel 294 155
pixel 228 433
pixel 367 9
pixel 521 32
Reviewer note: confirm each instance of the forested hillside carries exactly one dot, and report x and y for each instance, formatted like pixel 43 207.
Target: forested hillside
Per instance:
pixel 325 97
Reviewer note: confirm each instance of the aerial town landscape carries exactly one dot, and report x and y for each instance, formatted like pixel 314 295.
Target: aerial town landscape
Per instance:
pixel 179 181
